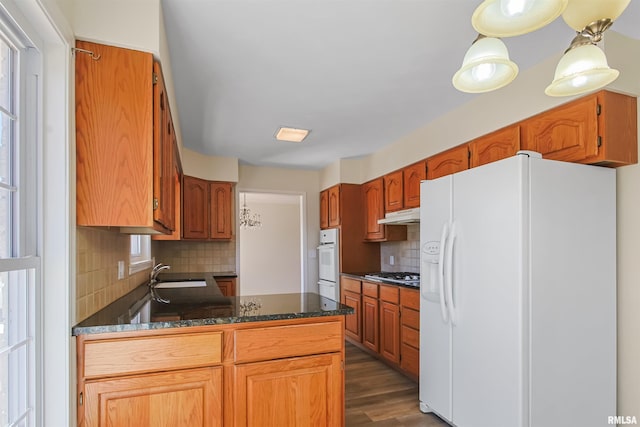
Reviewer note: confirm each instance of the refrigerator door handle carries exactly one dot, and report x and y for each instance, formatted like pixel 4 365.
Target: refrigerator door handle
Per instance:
pixel 441 271
pixel 449 273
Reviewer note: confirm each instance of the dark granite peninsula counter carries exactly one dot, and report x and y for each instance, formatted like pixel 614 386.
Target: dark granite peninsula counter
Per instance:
pixel 186 306
pixel 210 359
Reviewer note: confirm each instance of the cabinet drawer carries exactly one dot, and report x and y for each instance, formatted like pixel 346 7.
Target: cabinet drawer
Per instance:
pixel 390 294
pixel 370 289
pixel 348 284
pixel 410 298
pixel 287 341
pixel 411 337
pixel 147 354
pixel 411 318
pixel 410 360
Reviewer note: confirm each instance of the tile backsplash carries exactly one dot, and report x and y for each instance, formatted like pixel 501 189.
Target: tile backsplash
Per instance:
pixel 184 256
pixel 406 253
pixel 97 284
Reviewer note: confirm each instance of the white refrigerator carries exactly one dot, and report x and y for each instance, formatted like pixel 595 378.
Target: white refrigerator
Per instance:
pixel 518 294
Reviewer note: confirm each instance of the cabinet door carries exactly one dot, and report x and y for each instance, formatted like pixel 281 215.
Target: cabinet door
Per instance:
pixel 114 137
pixel 304 391
pixel 352 322
pixel 370 323
pixel 177 210
pixel 393 192
pixel 495 146
pixel 334 206
pixel 412 176
pixel 163 154
pixel 189 398
pixel 568 132
pixel 448 162
pixel 374 209
pixel 324 209
pixel 221 208
pixel 390 331
pixel 195 208
pixel 227 286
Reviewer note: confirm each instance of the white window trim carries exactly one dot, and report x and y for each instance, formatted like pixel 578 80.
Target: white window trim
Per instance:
pixel 142 261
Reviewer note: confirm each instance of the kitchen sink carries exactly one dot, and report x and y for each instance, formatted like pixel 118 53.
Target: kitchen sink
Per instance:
pixel 181 284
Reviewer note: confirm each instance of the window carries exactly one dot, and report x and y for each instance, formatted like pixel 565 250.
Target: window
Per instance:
pixel 140 257
pixel 19 213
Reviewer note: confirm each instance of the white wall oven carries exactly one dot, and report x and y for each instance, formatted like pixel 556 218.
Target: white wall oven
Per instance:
pixel 329 270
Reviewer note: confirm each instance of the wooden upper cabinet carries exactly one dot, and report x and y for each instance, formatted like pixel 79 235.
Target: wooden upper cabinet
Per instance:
pixel 412 176
pixel 495 146
pixel 334 207
pixel 598 129
pixel 195 208
pixel 373 208
pixel 448 162
pixel 393 191
pixel 324 209
pixel 123 159
pixel 221 207
pixel 207 208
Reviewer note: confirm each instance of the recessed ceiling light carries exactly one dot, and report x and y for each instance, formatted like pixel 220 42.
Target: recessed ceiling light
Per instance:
pixel 291 134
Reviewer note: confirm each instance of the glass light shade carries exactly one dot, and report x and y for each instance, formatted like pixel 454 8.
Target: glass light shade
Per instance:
pixel 580 13
pixel 507 18
pixel 581 70
pixel 486 67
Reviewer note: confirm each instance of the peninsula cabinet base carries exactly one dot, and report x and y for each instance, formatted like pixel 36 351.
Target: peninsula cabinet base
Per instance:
pixel 191 398
pixel 277 373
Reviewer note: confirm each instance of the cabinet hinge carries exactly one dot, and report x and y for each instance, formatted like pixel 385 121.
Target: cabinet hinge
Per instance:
pixel 155 204
pixel 599 141
pixel 80 399
pixel 155 78
pixel 599 109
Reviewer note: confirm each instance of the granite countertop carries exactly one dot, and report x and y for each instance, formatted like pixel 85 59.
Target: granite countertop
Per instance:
pixel 197 306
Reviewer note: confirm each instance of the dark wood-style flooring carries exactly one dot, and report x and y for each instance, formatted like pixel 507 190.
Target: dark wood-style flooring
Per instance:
pixel 376 395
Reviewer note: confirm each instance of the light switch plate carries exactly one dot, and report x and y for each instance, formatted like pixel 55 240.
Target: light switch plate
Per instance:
pixel 120 270
pixel 392 260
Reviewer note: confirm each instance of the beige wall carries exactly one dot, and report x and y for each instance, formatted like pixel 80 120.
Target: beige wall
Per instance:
pixel 270 255
pixel 276 180
pixel 209 167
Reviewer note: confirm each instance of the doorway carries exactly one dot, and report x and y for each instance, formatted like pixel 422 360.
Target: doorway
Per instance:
pixel 271 260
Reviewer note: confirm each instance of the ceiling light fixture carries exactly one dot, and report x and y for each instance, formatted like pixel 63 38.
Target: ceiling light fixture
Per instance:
pixel 508 18
pixel 486 67
pixel 583 68
pixel 291 134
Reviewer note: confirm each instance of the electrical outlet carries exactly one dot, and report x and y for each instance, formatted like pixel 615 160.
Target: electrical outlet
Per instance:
pixel 392 260
pixel 120 270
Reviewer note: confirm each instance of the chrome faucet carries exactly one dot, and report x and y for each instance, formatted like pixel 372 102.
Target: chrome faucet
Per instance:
pixel 153 281
pixel 153 276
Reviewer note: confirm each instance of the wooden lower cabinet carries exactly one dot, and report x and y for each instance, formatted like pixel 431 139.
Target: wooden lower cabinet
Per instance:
pixel 370 323
pixel 274 373
pixel 304 391
pixel 410 331
pixel 390 322
pixel 350 296
pixel 189 398
pixel 390 331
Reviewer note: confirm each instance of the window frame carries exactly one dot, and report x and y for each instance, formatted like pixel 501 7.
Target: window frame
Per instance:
pixel 141 260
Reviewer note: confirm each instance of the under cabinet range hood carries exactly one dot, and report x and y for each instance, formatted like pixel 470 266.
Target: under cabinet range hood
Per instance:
pixel 407 216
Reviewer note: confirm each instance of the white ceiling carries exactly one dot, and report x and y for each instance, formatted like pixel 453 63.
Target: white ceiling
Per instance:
pixel 359 73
